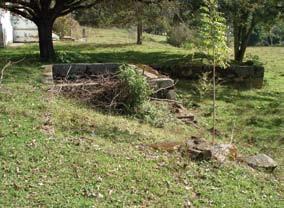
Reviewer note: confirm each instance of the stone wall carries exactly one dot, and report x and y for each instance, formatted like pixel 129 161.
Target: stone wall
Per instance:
pixel 243 76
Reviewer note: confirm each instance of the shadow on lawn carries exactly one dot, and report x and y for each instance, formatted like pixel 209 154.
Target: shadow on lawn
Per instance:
pixel 29 68
pixel 132 57
pixel 89 54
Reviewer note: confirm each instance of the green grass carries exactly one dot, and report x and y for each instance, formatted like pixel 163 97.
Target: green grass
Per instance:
pixel 97 159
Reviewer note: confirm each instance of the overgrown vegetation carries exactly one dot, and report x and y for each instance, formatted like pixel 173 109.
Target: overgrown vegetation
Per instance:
pixel 136 90
pixel 180 35
pixel 68 26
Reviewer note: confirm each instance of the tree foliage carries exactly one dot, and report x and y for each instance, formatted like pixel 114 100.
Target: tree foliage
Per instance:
pixel 126 13
pixel 213 40
pixel 213 33
pixel 244 16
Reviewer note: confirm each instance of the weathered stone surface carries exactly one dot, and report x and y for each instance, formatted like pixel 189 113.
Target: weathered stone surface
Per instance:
pixel 47 74
pixel 222 152
pixel 171 95
pixel 148 71
pixel 200 149
pixel 197 149
pixel 162 87
pixel 97 69
pixel 261 161
pixel 240 76
pixel 163 83
pixel 62 70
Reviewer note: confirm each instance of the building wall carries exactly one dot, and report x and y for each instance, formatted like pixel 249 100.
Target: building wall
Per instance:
pixel 14 28
pixel 24 30
pixel 6 29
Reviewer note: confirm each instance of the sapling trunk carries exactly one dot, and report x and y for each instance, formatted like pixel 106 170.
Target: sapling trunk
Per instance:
pixel 214 103
pixel 214 97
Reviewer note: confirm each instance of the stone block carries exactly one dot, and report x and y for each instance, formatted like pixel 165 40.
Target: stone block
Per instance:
pixel 60 71
pixel 105 68
pixel 163 83
pixel 261 161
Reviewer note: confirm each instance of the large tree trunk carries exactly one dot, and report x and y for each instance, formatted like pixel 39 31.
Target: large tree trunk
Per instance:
pixel 239 42
pixel 139 32
pixel 240 50
pixel 47 52
pixel 241 37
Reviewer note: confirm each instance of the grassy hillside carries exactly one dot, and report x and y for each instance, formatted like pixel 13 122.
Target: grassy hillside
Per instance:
pixel 56 152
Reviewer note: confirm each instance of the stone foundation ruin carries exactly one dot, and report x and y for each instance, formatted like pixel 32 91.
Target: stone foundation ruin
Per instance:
pixel 82 74
pixel 239 76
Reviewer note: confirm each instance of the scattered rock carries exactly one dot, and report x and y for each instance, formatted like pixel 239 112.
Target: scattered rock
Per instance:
pixel 222 152
pixel 197 149
pixel 182 113
pixel 200 149
pixel 261 161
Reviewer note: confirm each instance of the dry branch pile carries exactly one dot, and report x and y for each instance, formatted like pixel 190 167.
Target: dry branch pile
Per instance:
pixel 105 91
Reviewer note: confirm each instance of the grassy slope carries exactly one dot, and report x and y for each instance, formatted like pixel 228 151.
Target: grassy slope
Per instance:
pixel 94 159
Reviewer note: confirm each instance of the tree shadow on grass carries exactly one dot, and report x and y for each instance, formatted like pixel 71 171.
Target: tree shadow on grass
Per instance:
pixel 93 46
pixel 134 57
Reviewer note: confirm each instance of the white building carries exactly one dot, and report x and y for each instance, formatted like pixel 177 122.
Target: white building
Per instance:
pixel 24 30
pixel 14 28
pixel 6 28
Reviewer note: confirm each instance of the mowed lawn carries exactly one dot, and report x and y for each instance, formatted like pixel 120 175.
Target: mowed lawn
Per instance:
pixel 56 152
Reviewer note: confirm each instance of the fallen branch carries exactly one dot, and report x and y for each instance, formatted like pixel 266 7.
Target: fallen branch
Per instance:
pixel 10 63
pixel 3 70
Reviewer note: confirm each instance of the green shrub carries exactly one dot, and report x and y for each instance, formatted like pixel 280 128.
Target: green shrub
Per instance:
pixel 67 26
pixel 136 89
pixel 253 60
pixel 179 35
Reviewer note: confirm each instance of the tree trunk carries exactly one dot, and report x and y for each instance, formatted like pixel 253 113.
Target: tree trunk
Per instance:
pixel 214 96
pixel 139 32
pixel 241 38
pixel 47 52
pixel 240 52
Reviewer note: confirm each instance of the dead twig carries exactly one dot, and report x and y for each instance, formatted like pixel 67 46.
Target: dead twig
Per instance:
pixel 3 70
pixel 10 63
pixel 67 74
pixel 65 78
